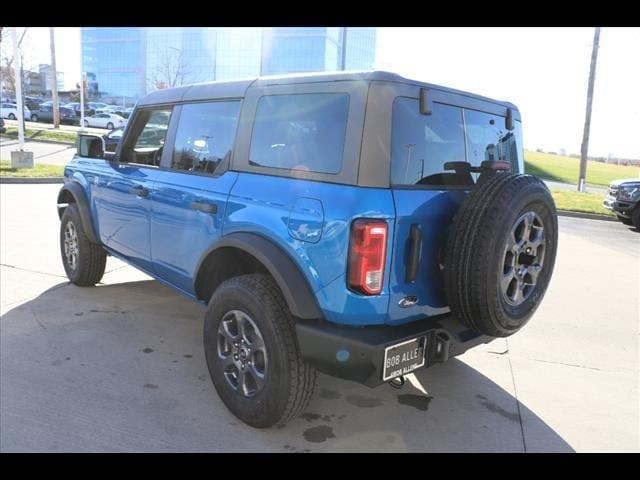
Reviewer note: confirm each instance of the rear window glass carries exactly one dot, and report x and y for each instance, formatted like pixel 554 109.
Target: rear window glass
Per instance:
pixel 422 144
pixel 488 139
pixel 300 132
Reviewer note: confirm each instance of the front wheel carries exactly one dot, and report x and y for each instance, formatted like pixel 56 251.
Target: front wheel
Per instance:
pixel 11 116
pixel 635 218
pixel 34 118
pixel 626 221
pixel 84 262
pixel 252 352
pixel 86 123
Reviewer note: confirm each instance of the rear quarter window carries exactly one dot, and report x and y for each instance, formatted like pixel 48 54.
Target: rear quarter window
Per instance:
pixel 303 132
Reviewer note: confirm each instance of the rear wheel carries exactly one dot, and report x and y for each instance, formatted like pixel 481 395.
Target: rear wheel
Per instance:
pixel 110 126
pixel 84 262
pixel 11 116
pixel 34 118
pixel 500 254
pixel 252 352
pixel 86 123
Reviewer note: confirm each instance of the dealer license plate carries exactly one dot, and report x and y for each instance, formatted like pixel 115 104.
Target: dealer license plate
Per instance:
pixel 404 357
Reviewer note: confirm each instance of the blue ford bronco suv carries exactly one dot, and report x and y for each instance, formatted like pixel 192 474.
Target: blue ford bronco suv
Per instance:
pixel 358 224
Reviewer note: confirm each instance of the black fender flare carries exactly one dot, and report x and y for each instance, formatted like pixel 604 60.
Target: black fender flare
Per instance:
pixel 77 192
pixel 293 284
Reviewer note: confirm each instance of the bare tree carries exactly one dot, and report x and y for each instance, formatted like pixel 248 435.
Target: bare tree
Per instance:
pixel 171 70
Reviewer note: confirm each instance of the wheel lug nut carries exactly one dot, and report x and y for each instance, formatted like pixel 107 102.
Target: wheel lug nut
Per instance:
pixel 235 357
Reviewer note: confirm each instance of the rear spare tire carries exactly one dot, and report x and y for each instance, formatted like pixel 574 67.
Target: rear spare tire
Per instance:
pixel 500 253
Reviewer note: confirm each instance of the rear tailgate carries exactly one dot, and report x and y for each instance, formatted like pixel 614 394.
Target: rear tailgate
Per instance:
pixel 429 213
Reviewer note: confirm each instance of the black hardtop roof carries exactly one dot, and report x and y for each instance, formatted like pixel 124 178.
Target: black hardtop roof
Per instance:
pixel 237 88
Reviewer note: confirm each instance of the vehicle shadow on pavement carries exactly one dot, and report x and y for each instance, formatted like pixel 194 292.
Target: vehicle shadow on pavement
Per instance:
pixel 120 367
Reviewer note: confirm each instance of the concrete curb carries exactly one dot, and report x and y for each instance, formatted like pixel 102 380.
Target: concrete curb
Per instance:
pixel 31 180
pixel 590 216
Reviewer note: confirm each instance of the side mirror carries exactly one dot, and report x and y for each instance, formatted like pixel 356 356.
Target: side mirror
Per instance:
pixel 91 146
pixel 426 107
pixel 508 120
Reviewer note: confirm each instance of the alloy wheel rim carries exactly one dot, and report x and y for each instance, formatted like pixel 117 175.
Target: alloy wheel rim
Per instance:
pixel 71 245
pixel 523 259
pixel 242 352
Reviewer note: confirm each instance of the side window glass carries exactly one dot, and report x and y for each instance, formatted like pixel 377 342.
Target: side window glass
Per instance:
pixel 205 136
pixel 148 134
pixel 300 132
pixel 422 144
pixel 488 139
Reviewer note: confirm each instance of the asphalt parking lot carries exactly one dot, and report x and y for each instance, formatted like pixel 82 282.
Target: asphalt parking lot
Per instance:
pixel 120 367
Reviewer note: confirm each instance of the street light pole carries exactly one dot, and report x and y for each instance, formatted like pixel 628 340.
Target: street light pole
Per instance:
pixel 82 102
pixel 19 158
pixel 17 69
pixel 584 150
pixel 54 81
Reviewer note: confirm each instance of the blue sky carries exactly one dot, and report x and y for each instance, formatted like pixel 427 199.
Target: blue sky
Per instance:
pixel 542 70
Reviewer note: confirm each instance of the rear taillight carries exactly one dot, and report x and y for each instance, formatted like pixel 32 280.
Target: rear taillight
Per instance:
pixel 367 252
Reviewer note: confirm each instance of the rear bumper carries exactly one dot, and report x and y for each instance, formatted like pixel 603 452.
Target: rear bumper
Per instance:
pixel 357 353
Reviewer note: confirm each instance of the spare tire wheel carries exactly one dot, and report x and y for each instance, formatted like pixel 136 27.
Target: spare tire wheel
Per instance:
pixel 500 253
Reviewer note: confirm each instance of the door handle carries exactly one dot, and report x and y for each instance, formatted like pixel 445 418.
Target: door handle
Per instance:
pixel 415 244
pixel 140 191
pixel 204 207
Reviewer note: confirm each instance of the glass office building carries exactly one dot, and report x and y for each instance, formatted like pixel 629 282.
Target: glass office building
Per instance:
pixel 130 62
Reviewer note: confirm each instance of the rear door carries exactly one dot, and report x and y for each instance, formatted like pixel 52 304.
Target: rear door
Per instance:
pixel 191 190
pixel 427 196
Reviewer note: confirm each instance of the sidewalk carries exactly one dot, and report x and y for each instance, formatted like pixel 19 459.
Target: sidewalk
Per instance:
pixel 570 186
pixel 43 152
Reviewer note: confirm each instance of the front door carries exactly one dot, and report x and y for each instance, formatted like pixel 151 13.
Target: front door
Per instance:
pixel 191 190
pixel 123 200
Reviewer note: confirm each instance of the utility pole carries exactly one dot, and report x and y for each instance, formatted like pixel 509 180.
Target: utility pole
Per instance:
pixel 584 150
pixel 54 80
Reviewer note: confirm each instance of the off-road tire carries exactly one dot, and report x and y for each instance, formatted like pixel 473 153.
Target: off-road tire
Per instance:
pixel 289 380
pixel 91 258
pixel 475 252
pixel 626 221
pixel 635 218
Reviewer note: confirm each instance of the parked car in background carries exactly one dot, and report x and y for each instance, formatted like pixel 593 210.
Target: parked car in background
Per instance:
pixel 105 120
pixel 3 129
pixel 111 141
pixel 623 199
pixel 98 107
pixel 33 103
pixel 10 111
pixel 75 106
pixel 45 114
